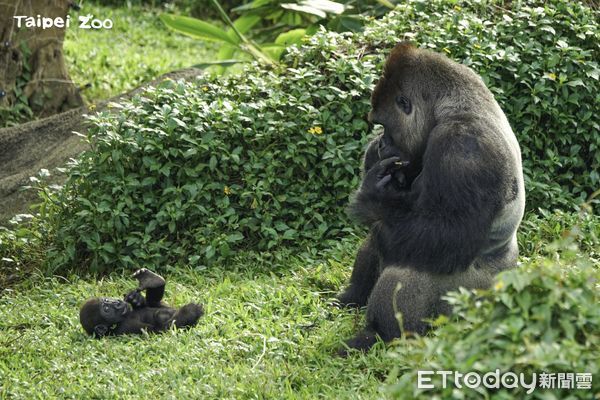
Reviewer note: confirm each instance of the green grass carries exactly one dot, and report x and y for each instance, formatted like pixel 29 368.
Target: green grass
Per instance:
pixel 137 49
pixel 269 332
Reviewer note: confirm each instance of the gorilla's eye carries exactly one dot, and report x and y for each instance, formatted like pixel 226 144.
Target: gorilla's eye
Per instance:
pixel 404 104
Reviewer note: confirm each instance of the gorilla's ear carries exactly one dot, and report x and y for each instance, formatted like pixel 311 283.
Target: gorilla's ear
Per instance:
pixel 100 330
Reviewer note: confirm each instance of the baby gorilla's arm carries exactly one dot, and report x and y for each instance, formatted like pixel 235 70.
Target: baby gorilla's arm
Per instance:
pixel 135 298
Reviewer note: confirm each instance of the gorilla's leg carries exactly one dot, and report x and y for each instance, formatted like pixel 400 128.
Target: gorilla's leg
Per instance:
pixel 417 296
pixel 364 275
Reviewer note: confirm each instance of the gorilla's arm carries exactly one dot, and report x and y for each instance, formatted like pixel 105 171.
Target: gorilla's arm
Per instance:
pixel 442 222
pixel 365 273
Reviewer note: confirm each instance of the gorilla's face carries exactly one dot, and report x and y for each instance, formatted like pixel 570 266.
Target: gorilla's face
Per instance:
pixel 401 101
pixel 399 112
pixel 113 310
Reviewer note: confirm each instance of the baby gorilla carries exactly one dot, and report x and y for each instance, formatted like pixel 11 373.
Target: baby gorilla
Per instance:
pixel 103 316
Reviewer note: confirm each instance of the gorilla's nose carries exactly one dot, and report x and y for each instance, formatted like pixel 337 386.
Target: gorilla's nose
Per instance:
pixel 374 118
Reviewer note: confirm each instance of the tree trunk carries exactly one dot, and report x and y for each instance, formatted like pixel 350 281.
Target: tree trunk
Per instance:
pixel 33 75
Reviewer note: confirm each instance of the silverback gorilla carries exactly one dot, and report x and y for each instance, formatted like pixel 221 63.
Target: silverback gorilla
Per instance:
pixel 102 316
pixel 452 221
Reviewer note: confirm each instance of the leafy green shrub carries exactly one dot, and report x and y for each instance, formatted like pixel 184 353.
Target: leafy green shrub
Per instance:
pixel 21 249
pixel 542 317
pixel 24 243
pixel 193 172
pixel 539 230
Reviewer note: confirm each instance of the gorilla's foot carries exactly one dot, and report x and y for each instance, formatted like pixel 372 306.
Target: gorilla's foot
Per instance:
pixel 349 298
pixel 361 342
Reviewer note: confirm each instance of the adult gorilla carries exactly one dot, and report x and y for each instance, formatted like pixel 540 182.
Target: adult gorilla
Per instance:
pixel 454 223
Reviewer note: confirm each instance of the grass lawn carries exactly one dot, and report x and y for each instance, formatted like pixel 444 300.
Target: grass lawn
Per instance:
pixel 269 332
pixel 137 49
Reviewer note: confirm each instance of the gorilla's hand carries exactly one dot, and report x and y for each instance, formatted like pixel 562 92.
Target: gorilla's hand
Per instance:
pixel 135 298
pixel 148 279
pixel 385 178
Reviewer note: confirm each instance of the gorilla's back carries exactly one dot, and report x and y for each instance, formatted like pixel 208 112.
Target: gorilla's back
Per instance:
pixel 501 252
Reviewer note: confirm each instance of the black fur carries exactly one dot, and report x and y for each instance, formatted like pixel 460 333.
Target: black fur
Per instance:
pixel 454 221
pixel 136 313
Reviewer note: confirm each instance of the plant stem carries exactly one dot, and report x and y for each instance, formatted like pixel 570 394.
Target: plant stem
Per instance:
pixel 229 22
pixel 247 44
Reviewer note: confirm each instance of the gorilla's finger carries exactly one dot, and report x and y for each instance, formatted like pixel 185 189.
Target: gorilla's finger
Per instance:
pixel 386 163
pixel 389 165
pixel 384 181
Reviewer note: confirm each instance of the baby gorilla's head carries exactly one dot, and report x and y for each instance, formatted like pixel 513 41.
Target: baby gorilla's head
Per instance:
pixel 98 315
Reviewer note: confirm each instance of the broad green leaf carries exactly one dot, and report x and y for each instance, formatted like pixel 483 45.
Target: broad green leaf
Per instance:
pixel 304 9
pixel 246 22
pixel 235 237
pixel 196 28
pixel 330 7
pixel 386 3
pixel 345 23
pixel 226 52
pixel 252 5
pixel 243 24
pixel 273 50
pixel 291 37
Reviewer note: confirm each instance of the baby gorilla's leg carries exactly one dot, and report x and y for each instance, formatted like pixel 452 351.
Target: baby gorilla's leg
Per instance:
pixel 188 315
pixel 148 279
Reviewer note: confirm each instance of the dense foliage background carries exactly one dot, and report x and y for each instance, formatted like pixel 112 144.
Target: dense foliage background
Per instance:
pixel 190 172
